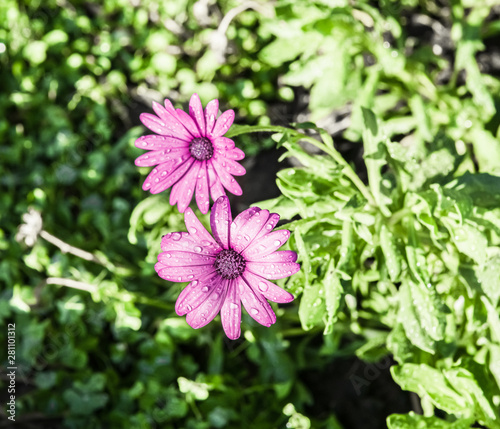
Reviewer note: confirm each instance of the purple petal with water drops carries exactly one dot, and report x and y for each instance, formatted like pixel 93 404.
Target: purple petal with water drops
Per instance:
pixel 240 236
pixel 170 122
pixel 199 233
pixel 156 157
pixel 232 167
pixel 236 153
pixel 172 178
pixel 267 244
pixel 196 112
pixel 278 256
pixel 214 184
pixel 223 144
pixel 188 123
pixel 183 190
pixel 156 142
pixel 249 230
pixel 183 241
pixel 205 312
pixel 225 178
pixel 223 123
pixel 270 223
pixel 202 189
pixel 195 293
pixel 178 258
pixel 231 312
pixel 272 270
pixel 220 221
pixel 268 289
pixel 255 304
pixel 182 274
pixel 211 112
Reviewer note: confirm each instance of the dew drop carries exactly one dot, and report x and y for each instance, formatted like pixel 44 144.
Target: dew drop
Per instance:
pixel 190 277
pixel 263 286
pixel 168 255
pixel 277 242
pixel 194 283
pixel 254 311
pixel 204 289
pixel 176 236
pixel 157 180
pixel 269 226
pixel 233 305
pixel 189 308
pixel 198 249
pixel 246 237
pixel 179 278
pixel 215 296
pixel 193 230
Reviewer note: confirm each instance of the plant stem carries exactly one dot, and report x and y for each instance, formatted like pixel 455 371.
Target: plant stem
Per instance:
pixel 67 248
pixel 348 171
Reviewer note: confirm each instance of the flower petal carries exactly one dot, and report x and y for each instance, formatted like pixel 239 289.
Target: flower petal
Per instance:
pixel 271 291
pixel 188 123
pixel 185 242
pixel 255 304
pixel 155 157
pixel 278 256
pixel 223 144
pixel 220 221
pixel 182 191
pixel 182 274
pixel 267 244
pixel 271 222
pixel 202 189
pixel 160 172
pixel 196 112
pixel 178 258
pixel 198 232
pixel 236 153
pixel 232 167
pixel 225 178
pixel 247 232
pixel 223 123
pixel 231 312
pixel 205 312
pixel 196 293
pixel 271 270
pixel 214 183
pixel 211 112
pixel 239 240
pixel 168 121
pixel 156 142
pixel 172 178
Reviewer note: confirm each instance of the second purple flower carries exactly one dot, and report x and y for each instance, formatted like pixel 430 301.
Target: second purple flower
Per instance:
pixel 190 153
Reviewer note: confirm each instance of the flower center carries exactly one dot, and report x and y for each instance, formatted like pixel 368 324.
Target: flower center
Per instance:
pixel 201 148
pixel 229 264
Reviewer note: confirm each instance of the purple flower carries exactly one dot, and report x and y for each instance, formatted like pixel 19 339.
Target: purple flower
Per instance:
pixel 190 153
pixel 232 267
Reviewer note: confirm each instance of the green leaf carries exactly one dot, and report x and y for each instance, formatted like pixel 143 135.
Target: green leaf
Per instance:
pixel 312 306
pixel 420 315
pixel 393 257
pixel 416 421
pixel 333 293
pixel 428 382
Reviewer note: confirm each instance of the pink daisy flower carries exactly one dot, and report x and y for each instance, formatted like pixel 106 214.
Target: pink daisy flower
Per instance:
pixel 190 153
pixel 232 267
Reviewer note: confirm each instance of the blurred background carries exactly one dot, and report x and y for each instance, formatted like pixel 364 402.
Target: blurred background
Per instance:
pixel 98 343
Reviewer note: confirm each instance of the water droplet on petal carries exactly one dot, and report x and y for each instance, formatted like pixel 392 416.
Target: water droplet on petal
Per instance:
pixel 263 286
pixel 204 289
pixel 176 236
pixel 190 277
pixel 254 311
pixel 192 230
pixel 194 283
pixel 168 255
pixel 269 226
pixel 233 305
pixel 277 242
pixel 246 237
pixel 197 249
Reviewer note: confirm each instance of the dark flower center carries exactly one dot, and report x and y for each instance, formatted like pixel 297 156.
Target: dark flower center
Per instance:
pixel 201 148
pixel 229 264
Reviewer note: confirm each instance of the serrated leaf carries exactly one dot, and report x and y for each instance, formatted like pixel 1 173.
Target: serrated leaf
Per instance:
pixel 420 316
pixel 429 382
pixel 416 421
